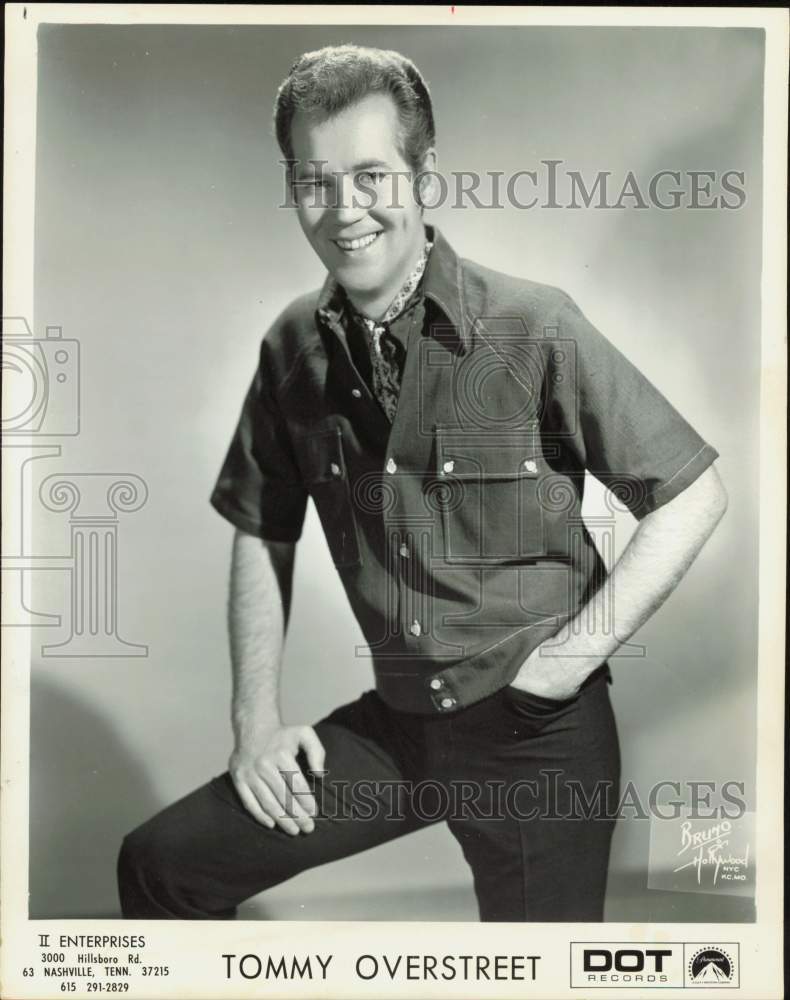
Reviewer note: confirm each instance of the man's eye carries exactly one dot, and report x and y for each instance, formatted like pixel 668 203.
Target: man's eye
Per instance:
pixel 371 176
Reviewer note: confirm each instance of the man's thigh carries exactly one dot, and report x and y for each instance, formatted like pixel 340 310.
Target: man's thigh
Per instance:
pixel 205 854
pixel 548 778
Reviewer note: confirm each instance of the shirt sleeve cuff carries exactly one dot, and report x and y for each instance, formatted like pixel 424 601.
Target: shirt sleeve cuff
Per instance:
pixel 678 482
pixel 268 532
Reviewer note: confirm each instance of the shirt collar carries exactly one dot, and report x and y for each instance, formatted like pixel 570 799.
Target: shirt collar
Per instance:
pixel 441 283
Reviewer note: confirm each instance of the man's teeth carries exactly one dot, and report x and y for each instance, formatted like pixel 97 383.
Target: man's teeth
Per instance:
pixel 363 241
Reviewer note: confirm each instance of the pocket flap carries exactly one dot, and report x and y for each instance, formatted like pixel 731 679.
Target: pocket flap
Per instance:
pixel 463 455
pixel 323 456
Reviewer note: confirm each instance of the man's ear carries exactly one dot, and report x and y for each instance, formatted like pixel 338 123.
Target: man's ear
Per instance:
pixel 427 182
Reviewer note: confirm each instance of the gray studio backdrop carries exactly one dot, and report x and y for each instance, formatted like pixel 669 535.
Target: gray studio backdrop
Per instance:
pixel 160 248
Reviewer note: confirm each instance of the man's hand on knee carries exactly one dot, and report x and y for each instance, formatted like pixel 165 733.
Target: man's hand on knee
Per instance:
pixel 269 780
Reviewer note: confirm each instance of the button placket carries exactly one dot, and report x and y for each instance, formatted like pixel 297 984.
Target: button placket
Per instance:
pixel 350 375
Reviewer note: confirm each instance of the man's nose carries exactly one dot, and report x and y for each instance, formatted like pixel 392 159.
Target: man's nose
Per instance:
pixel 349 206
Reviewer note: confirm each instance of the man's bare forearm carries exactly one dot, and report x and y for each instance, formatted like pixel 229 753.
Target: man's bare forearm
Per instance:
pixel 662 548
pixel 263 765
pixel 260 590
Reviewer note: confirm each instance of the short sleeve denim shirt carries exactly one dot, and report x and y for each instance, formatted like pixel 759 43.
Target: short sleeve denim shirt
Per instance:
pixel 457 529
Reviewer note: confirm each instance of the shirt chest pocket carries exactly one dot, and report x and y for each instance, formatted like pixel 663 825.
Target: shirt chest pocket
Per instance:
pixel 326 476
pixel 488 496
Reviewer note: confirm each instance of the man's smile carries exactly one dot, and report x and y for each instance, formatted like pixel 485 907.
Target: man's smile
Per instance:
pixel 359 243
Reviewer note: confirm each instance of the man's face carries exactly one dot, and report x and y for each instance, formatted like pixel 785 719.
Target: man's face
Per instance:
pixel 359 216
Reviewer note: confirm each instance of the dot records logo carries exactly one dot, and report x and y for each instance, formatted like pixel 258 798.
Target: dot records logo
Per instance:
pixel 712 965
pixel 629 964
pixel 646 965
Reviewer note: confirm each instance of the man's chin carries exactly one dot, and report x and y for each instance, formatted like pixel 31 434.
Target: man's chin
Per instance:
pixel 355 278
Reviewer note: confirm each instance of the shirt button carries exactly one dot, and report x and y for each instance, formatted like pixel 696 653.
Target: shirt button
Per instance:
pixel 447 702
pixel 392 468
pixel 530 466
pixel 356 393
pixel 404 551
pixel 334 469
pixel 448 466
pixel 436 683
pixel 415 628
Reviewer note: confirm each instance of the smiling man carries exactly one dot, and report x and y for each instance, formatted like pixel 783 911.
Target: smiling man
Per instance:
pixel 357 215
pixel 442 417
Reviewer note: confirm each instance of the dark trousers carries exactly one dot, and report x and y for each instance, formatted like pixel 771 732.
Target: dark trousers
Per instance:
pixel 528 787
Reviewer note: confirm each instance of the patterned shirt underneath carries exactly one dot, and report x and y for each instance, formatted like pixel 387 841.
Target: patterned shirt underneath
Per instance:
pixel 386 353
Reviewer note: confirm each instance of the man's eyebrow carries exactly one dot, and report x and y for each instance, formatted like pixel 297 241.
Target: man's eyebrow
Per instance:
pixel 367 164
pixel 308 170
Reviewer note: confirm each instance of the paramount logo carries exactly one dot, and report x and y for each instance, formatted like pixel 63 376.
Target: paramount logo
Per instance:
pixel 711 973
pixel 712 965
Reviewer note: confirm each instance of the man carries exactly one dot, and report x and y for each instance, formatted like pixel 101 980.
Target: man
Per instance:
pixel 442 417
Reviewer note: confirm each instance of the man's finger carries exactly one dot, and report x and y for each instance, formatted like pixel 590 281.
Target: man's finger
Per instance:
pixel 302 792
pixel 271 804
pixel 314 749
pixel 275 777
pixel 251 804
